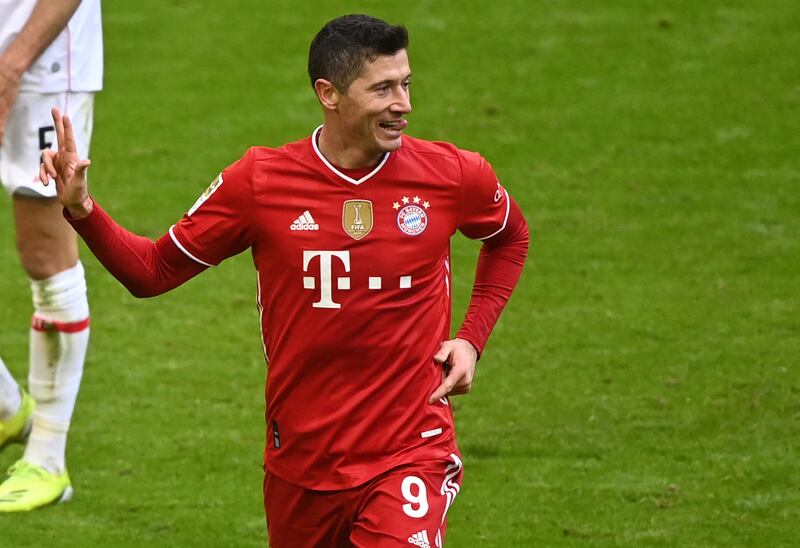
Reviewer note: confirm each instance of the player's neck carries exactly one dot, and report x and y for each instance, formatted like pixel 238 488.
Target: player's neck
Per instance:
pixel 339 152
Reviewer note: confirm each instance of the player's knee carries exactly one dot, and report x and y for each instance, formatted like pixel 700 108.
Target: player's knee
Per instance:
pixel 62 296
pixel 39 259
pixel 36 261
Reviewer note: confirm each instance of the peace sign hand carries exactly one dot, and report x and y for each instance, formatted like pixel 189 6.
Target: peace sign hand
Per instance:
pixel 68 170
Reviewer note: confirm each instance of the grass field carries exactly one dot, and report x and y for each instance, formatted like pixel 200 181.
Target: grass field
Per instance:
pixel 642 388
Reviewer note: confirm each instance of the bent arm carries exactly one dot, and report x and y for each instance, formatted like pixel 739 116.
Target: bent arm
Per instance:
pixel 144 267
pixel 499 267
pixel 47 20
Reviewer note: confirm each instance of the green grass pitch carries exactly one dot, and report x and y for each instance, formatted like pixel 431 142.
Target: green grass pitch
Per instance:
pixel 643 387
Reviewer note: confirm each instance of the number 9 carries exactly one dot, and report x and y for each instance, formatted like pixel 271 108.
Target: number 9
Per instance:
pixel 418 500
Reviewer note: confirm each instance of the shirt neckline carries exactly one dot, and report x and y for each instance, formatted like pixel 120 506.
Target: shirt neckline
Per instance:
pixel 331 167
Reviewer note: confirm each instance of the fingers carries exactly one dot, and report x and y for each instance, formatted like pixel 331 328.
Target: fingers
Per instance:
pixel 458 360
pixel 47 170
pixel 65 135
pixel 456 381
pixel 59 123
pixel 82 166
pixel 444 389
pixel 443 353
pixel 69 136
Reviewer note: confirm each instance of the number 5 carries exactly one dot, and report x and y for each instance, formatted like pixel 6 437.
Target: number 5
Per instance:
pixel 44 143
pixel 418 500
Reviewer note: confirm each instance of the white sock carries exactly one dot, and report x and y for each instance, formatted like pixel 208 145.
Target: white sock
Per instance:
pixel 59 337
pixel 10 398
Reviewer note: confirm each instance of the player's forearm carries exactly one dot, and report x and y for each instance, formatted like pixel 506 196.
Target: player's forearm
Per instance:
pixel 47 20
pixel 499 267
pixel 144 267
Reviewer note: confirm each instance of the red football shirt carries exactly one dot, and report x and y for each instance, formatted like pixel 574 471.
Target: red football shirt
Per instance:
pixel 354 295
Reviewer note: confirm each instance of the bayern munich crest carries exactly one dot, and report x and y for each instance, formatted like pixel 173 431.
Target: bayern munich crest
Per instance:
pixel 412 220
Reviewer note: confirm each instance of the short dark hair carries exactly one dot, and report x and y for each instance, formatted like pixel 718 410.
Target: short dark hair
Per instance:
pixel 341 47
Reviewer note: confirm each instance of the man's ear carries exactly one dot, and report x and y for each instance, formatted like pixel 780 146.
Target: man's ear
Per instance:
pixel 327 94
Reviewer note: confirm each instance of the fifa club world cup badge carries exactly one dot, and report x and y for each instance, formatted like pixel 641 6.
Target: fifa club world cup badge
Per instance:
pixel 411 217
pixel 357 218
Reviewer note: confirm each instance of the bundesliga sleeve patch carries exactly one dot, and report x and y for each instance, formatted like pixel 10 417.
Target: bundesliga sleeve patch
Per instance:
pixel 212 188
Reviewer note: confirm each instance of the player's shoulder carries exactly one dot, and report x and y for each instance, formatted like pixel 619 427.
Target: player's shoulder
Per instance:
pixel 263 166
pixel 441 152
pixel 288 152
pixel 417 146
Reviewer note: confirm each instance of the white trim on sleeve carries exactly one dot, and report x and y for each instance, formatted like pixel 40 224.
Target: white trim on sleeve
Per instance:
pixel 177 243
pixel 505 220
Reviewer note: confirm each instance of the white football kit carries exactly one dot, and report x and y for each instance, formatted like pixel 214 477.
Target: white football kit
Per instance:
pixel 65 76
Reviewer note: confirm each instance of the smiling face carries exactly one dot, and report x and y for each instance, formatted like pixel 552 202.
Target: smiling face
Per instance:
pixel 369 116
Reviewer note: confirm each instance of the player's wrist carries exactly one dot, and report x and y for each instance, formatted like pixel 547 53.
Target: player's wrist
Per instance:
pixel 469 343
pixel 12 68
pixel 81 210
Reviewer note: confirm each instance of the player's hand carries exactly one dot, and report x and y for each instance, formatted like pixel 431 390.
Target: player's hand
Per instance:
pixel 68 169
pixel 9 88
pixel 457 358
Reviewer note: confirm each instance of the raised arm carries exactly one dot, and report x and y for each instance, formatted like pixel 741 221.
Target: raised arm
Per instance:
pixel 47 20
pixel 144 267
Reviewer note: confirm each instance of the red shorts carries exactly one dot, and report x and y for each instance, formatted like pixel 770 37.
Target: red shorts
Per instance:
pixel 405 506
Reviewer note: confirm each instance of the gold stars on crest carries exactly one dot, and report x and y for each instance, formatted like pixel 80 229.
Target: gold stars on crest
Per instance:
pixel 406 200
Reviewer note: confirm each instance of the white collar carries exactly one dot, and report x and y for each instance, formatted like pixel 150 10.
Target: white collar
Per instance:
pixel 339 173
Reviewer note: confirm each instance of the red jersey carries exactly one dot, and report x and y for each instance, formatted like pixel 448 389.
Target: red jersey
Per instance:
pixel 354 296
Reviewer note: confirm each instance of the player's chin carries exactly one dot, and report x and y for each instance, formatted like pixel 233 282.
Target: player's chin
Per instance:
pixel 389 141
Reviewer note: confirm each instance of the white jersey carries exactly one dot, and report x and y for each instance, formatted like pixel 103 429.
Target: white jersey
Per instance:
pixel 73 62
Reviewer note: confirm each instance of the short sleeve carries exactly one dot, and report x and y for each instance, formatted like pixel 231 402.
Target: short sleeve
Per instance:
pixel 484 204
pixel 216 226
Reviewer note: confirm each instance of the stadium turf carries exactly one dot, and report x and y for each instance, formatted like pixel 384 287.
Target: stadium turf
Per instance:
pixel 643 387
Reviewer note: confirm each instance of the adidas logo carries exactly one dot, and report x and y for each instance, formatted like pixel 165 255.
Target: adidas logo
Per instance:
pixel 304 222
pixel 420 539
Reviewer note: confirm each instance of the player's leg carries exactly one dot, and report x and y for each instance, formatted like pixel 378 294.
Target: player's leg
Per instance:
pixel 59 330
pixel 16 409
pixel 10 397
pixel 408 506
pixel 303 517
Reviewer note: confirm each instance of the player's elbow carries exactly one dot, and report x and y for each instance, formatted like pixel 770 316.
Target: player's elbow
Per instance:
pixel 144 291
pixel 141 293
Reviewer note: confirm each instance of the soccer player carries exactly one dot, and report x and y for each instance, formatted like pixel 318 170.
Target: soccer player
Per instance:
pixel 350 235
pixel 51 55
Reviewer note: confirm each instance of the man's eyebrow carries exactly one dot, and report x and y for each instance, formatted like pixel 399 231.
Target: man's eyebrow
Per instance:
pixel 390 81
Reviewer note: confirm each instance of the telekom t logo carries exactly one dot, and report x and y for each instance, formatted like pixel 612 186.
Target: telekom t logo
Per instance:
pixel 325 276
pixel 374 283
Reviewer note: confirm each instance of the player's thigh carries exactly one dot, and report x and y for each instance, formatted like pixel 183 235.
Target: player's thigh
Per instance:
pixel 408 505
pixel 29 130
pixel 299 517
pixel 46 243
